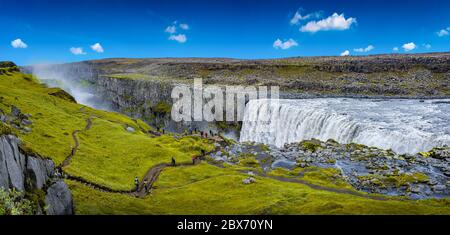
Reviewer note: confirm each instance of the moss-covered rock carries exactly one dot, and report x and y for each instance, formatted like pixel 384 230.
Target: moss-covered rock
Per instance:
pixel 162 108
pixel 310 145
pixel 62 94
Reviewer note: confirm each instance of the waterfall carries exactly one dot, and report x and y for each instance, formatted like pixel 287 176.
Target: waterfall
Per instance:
pixel 405 126
pixel 74 78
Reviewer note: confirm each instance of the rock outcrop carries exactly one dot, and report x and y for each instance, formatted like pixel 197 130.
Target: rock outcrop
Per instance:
pixel 59 199
pixel 27 172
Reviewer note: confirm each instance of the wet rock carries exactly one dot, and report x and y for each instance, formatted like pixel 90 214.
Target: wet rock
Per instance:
pixel 130 129
pixel 432 182
pixel 439 188
pixel 416 189
pixel 440 153
pixel 59 199
pixel 284 163
pixel 302 164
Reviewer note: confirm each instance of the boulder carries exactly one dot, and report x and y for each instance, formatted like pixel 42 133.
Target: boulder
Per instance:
pixel 16 168
pixel 284 163
pixel 15 112
pixel 439 188
pixel 130 129
pixel 13 160
pixel 59 199
pixel 39 171
pixel 4 176
pixel 26 122
pixel 249 180
pixel 3 117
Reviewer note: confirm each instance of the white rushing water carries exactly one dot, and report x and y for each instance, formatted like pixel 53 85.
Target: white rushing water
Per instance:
pixel 405 126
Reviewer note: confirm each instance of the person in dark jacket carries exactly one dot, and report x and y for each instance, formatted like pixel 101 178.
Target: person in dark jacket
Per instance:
pixel 136 182
pixel 173 161
pixel 145 185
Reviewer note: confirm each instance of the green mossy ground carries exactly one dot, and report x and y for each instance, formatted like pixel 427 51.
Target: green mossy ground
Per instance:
pixel 206 189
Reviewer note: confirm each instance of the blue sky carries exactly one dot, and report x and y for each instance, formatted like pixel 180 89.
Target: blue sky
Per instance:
pixel 239 29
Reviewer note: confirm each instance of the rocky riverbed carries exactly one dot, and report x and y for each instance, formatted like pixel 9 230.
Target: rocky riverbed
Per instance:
pixel 368 169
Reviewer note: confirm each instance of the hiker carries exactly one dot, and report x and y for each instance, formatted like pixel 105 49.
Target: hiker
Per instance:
pixel 173 161
pixel 194 158
pixel 201 134
pixel 206 135
pixel 163 131
pixel 210 133
pixel 136 182
pixel 145 185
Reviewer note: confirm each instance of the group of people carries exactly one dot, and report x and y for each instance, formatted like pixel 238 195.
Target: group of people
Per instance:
pixel 145 184
pixel 203 134
pixel 161 130
pixel 173 163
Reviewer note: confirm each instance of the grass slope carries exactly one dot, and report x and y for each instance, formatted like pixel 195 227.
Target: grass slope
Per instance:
pixel 108 154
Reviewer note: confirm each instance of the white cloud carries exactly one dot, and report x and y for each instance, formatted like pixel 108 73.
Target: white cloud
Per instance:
pixel 18 43
pixel 333 22
pixel 345 53
pixel 395 49
pixel 298 17
pixel 77 51
pixel 427 46
pixel 278 44
pixel 97 48
pixel 409 46
pixel 443 32
pixel 367 49
pixel 181 38
pixel 171 29
pixel 184 26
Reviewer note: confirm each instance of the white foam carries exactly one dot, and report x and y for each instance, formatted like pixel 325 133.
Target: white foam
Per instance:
pixel 405 126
